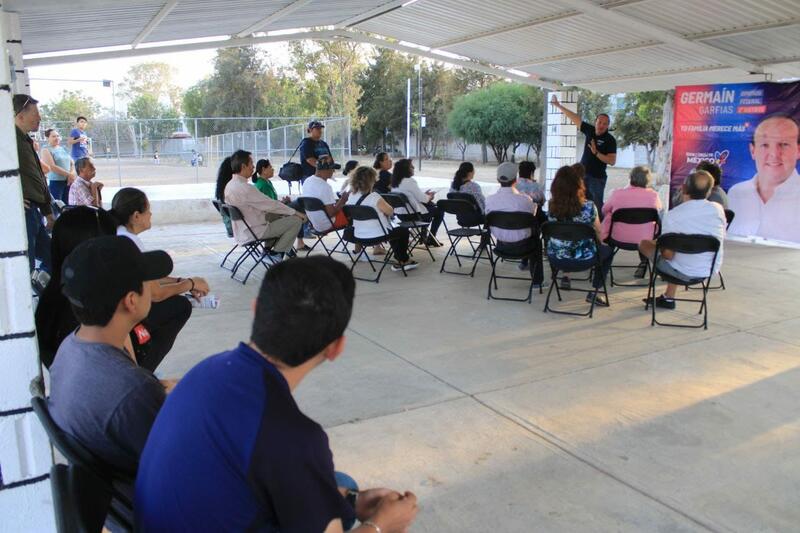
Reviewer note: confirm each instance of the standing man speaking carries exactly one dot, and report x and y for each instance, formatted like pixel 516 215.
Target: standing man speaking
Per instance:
pixel 599 151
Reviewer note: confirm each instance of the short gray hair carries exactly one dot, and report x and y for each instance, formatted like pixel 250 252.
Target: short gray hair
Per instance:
pixel 640 176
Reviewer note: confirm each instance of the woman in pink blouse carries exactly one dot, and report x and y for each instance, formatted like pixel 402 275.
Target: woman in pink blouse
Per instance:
pixel 637 194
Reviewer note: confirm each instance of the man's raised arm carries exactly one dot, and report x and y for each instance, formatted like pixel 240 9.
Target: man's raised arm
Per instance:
pixel 573 116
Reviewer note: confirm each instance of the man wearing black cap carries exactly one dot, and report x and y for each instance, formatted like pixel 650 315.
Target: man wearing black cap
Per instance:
pixel 312 148
pixel 35 193
pixel 98 394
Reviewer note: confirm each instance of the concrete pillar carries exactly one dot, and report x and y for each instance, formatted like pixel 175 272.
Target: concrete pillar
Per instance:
pixel 25 457
pixel 13 42
pixel 562 136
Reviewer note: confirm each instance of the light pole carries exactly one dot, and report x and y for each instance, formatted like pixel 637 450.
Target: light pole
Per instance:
pixel 421 116
pixel 110 83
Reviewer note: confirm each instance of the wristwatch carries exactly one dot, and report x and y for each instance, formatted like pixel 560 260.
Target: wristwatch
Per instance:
pixel 351 497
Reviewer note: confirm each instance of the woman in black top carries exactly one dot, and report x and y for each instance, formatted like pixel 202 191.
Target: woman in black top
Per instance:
pixel 382 164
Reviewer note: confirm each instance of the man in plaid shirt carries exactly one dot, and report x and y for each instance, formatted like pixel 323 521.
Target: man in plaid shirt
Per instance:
pixel 83 190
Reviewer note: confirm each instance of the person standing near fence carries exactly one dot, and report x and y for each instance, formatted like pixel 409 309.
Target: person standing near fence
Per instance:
pixel 312 148
pixel 79 141
pixel 62 168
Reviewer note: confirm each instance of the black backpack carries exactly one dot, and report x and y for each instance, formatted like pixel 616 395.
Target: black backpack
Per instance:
pixel 292 171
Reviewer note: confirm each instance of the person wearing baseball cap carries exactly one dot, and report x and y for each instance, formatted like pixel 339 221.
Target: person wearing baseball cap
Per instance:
pixel 98 394
pixel 35 192
pixel 508 199
pixel 317 186
pixel 312 148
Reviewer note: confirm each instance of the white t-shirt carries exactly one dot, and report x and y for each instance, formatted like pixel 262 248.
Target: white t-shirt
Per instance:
pixel 122 231
pixel 369 229
pixel 698 217
pixel 779 218
pixel 317 187
pixel 415 195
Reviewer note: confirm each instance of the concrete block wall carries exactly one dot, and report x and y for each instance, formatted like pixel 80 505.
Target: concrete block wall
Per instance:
pixel 561 136
pixel 25 454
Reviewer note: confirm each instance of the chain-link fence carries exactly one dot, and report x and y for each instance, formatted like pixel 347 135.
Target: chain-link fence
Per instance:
pixel 179 151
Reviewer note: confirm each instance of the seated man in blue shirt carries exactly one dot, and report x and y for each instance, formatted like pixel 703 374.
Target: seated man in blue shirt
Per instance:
pixel 231 450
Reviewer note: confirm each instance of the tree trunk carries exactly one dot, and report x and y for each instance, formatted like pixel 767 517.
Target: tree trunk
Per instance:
pixel 484 154
pixel 663 156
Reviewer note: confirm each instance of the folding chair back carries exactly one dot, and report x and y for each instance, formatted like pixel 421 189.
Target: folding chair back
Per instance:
pixel 468 216
pixel 633 215
pixel 689 244
pixel 568 231
pixel 396 200
pixel 458 207
pixel 510 220
pixel 236 215
pixel 310 203
pixel 77 454
pixel 729 216
pixel 464 196
pixel 81 500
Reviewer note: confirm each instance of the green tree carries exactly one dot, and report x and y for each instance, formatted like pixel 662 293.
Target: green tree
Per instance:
pixel 330 71
pixel 70 105
pixel 158 120
pixel 152 79
pixel 591 104
pixel 383 97
pixel 502 115
pixel 639 121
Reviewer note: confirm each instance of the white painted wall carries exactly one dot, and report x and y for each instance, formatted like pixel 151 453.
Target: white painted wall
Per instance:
pixel 25 457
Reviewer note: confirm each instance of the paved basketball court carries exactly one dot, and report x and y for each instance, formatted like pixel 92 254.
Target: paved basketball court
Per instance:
pixel 503 418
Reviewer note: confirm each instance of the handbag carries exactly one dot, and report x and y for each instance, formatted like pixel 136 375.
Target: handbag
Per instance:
pixel 292 171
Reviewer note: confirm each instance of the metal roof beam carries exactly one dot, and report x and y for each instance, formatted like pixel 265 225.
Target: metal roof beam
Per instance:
pixel 667 36
pixel 506 29
pixel 744 30
pixel 279 14
pixel 647 76
pixel 581 55
pixel 154 22
pixel 430 54
pixel 375 12
pixel 324 35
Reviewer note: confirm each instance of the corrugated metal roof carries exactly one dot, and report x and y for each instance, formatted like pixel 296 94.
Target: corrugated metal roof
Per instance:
pixel 429 22
pixel 642 43
pixel 777 44
pixel 207 18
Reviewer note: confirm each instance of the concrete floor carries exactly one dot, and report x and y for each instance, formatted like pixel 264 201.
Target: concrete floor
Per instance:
pixel 503 418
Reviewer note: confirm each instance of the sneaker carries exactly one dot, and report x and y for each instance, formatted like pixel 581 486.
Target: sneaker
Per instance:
pixel 411 265
pixel 599 299
pixel 565 284
pixel 304 248
pixel 523 265
pixel 39 280
pixel 273 257
pixel 665 303
pixel 640 271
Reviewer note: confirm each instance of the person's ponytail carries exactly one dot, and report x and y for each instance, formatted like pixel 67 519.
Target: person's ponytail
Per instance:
pixel 126 202
pixel 461 174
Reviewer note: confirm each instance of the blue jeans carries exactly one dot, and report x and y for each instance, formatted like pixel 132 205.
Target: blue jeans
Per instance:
pixel 59 190
pixel 38 239
pixel 578 265
pixel 343 480
pixel 595 189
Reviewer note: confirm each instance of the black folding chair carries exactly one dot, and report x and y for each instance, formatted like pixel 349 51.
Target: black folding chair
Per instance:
pixel 510 221
pixel 477 218
pixel 631 215
pixel 363 213
pixel 410 220
pixel 571 232
pixel 218 206
pixel 311 204
pixel 76 454
pixel 729 216
pixel 257 248
pixel 465 213
pixel 685 244
pixel 81 499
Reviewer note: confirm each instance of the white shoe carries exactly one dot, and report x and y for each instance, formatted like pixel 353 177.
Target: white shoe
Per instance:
pixel 411 265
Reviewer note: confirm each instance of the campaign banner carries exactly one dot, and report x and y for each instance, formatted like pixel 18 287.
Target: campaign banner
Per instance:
pixel 751 131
